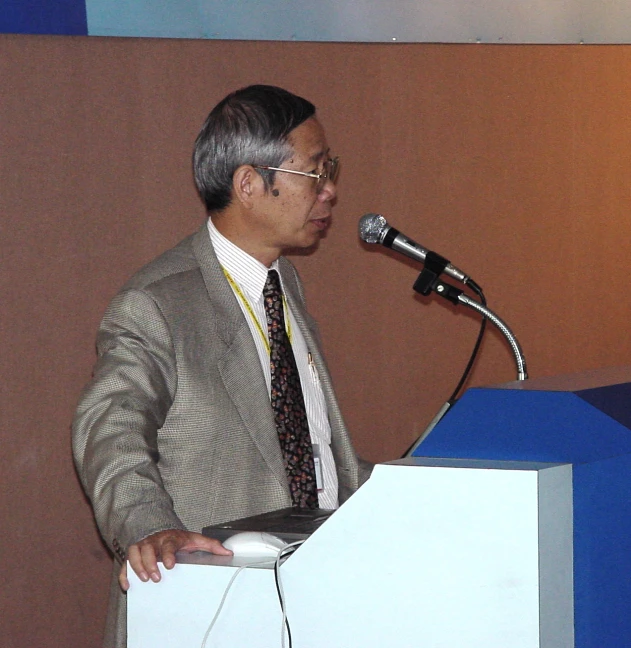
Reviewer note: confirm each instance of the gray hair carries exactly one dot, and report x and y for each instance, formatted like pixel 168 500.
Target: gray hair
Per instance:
pixel 249 126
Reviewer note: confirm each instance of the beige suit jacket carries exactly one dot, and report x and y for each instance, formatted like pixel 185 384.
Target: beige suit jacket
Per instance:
pixel 175 429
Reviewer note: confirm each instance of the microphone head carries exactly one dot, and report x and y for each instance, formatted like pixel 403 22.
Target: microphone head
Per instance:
pixel 372 228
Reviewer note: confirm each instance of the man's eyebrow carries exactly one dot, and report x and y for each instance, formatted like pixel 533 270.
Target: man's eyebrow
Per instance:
pixel 316 157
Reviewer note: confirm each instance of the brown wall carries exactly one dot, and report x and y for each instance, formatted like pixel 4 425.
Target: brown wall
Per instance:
pixel 514 161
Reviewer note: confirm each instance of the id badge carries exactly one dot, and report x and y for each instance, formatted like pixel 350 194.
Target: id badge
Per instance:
pixel 318 467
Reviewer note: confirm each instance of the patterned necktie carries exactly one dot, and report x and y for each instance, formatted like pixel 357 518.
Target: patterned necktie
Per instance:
pixel 288 403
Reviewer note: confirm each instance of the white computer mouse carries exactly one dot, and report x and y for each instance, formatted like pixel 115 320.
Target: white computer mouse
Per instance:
pixel 254 544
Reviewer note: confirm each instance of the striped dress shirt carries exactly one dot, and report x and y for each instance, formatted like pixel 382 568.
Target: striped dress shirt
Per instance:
pixel 250 276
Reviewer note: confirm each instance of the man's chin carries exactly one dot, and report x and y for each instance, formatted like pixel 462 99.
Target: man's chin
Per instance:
pixel 305 249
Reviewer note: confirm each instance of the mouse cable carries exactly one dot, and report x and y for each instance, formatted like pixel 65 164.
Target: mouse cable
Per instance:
pixel 283 554
pixel 225 596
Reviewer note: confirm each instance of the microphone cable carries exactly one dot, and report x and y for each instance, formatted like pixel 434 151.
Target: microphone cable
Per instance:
pixel 474 354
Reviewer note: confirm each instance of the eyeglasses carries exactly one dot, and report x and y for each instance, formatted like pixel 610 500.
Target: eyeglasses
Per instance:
pixel 330 170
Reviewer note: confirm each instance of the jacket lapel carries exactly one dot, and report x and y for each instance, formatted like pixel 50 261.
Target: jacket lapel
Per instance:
pixel 239 365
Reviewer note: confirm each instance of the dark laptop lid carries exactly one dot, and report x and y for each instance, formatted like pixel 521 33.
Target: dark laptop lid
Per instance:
pixel 288 524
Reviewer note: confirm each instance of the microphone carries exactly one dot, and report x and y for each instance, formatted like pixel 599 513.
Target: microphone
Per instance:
pixel 373 228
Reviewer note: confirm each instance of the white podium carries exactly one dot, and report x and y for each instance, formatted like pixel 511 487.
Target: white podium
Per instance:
pixel 429 553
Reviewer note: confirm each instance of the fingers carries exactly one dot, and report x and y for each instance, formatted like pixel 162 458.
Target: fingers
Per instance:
pixel 143 556
pixel 215 547
pixel 122 578
pixel 142 559
pixel 198 542
pixel 168 548
pixel 149 554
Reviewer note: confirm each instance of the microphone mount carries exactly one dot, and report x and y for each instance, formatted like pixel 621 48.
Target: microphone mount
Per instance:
pixel 434 266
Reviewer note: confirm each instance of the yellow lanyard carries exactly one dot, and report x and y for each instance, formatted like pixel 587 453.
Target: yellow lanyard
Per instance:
pixel 252 314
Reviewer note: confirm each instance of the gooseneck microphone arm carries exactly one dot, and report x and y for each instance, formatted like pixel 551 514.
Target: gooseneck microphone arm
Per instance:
pixel 456 296
pixel 520 360
pixel 429 281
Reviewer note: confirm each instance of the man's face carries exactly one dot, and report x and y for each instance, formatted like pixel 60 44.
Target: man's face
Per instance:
pixel 294 214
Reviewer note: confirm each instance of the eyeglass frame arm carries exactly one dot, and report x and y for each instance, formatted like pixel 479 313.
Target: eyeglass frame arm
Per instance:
pixel 309 174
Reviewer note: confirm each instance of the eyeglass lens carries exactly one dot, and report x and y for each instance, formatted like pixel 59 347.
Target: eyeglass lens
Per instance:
pixel 329 172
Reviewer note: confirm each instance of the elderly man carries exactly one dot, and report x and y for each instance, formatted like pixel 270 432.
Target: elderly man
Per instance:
pixel 210 399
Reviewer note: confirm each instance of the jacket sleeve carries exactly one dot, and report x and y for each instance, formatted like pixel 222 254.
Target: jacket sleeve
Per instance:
pixel 115 429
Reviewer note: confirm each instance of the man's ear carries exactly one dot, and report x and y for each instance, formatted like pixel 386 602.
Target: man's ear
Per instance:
pixel 247 185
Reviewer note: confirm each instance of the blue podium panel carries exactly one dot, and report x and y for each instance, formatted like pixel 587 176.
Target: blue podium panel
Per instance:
pixel 582 419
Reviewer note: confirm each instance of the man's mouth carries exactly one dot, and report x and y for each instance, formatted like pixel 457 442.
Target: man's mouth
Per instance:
pixel 321 223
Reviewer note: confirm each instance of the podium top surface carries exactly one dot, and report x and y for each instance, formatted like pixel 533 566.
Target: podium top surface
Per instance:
pixel 474 464
pixel 592 379
pixel 576 418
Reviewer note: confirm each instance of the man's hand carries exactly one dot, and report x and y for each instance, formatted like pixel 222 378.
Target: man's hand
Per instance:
pixel 144 555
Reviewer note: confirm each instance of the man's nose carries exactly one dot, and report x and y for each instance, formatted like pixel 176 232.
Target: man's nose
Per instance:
pixel 329 191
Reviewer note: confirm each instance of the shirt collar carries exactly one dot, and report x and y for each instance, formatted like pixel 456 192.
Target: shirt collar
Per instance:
pixel 249 273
